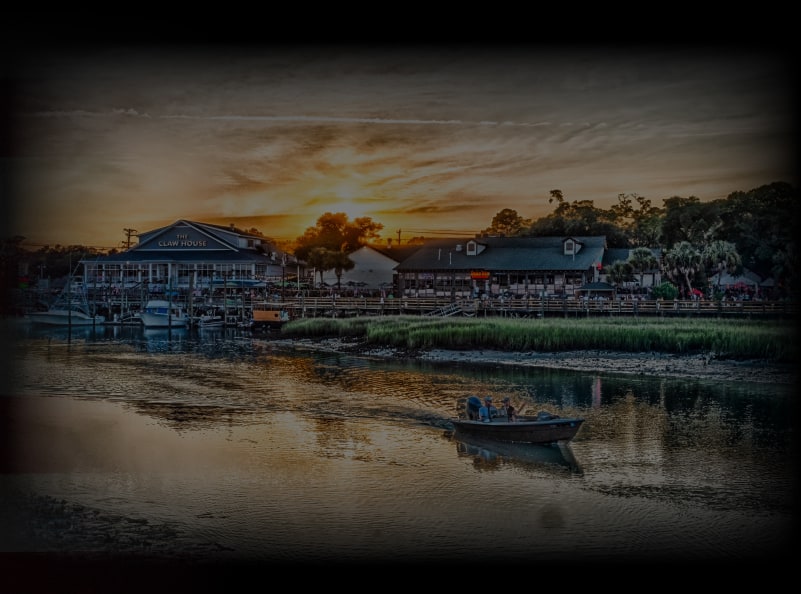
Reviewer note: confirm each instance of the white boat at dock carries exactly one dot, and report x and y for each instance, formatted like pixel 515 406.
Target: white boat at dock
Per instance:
pixel 160 313
pixel 71 308
pixel 211 321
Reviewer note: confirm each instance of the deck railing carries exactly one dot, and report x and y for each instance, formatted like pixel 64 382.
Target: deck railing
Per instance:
pixel 354 306
pixel 303 306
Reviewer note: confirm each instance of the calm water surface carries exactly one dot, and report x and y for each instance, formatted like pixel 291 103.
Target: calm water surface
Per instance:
pixel 220 445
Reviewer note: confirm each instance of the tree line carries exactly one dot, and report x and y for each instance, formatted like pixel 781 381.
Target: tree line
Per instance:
pixel 752 229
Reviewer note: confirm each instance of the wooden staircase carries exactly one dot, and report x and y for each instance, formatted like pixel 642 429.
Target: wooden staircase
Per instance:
pixel 452 309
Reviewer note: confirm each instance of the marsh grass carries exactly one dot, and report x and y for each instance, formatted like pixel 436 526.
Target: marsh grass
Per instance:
pixel 743 339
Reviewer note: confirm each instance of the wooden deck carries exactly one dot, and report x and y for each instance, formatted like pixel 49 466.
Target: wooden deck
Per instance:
pixel 536 308
pixel 300 306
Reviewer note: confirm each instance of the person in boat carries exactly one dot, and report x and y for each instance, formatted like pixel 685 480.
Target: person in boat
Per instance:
pixel 509 410
pixel 488 411
pixel 472 407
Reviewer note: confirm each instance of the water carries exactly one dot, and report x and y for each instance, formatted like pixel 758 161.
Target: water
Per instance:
pixel 220 445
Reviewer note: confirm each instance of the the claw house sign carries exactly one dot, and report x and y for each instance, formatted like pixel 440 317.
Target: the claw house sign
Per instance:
pixel 479 274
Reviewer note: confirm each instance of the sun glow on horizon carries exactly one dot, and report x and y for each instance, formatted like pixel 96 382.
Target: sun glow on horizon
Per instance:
pixel 426 144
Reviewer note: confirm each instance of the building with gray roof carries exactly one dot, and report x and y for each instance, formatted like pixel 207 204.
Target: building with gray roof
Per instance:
pixel 495 266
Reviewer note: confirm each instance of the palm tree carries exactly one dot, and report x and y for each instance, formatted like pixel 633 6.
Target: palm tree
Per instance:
pixel 318 258
pixel 340 262
pixel 681 264
pixel 618 272
pixel 721 255
pixel 642 259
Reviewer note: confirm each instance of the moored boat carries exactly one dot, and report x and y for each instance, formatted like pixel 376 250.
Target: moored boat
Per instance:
pixel 211 321
pixel 71 308
pixel 270 318
pixel 160 313
pixel 65 317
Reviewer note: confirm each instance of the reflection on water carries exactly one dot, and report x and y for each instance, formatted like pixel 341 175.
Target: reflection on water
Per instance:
pixel 488 455
pixel 222 445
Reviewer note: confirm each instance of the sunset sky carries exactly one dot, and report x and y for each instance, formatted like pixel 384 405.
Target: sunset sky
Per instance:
pixel 427 140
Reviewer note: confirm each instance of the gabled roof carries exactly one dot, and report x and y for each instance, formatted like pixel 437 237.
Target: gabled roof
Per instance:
pixel 214 237
pixel 506 253
pixel 613 255
pixel 397 253
pixel 189 241
pixel 597 287
pixel 747 277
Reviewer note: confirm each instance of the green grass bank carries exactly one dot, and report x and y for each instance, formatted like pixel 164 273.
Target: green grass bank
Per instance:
pixel 740 340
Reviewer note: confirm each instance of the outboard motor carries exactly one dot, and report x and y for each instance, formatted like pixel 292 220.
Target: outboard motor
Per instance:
pixel 472 406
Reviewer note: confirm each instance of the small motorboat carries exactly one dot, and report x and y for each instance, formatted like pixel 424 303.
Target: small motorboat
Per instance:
pixel 543 428
pixel 211 321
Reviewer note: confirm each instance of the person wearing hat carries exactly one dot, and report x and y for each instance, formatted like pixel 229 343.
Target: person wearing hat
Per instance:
pixel 509 410
pixel 486 412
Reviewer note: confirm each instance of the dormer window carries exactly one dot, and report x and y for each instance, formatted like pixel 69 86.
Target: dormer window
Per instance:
pixel 471 248
pixel 571 247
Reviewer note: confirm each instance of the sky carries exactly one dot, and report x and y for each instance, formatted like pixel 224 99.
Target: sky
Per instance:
pixel 426 140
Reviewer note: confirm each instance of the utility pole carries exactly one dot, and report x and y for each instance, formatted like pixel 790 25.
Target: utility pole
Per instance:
pixel 399 232
pixel 128 234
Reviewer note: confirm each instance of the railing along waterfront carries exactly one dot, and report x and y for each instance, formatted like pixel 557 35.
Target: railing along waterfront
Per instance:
pixel 300 307
pixel 303 306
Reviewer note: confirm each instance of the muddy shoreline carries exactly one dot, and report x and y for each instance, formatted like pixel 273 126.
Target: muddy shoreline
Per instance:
pixel 700 367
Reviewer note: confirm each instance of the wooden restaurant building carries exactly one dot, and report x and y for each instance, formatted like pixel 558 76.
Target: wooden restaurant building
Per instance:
pixel 189 257
pixel 196 257
pixel 201 265
pixel 514 267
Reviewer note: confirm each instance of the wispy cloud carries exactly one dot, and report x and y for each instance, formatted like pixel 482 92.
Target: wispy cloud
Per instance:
pixel 415 139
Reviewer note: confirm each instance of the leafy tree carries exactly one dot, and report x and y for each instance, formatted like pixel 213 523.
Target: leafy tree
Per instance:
pixel 786 268
pixel 689 219
pixel 642 225
pixel 665 291
pixel 578 218
pixel 361 231
pixel 507 223
pixel 761 223
pixel 336 233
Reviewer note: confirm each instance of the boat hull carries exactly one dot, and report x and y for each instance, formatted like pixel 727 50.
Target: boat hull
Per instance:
pixel 163 321
pixel 211 322
pixel 270 318
pixel 56 317
pixel 162 314
pixel 524 431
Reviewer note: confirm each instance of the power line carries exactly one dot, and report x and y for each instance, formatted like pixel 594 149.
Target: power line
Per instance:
pixel 64 246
